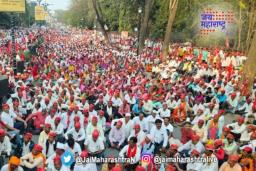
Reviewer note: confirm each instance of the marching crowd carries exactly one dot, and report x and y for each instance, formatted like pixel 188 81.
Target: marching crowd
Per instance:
pixel 93 99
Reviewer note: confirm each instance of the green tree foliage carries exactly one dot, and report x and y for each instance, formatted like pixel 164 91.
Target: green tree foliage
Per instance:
pixel 121 15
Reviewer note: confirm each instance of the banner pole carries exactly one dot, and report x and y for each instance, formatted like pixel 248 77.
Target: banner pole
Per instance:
pixel 14 64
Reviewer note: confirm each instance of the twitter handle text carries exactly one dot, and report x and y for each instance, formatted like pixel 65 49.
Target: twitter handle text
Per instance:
pixel 81 160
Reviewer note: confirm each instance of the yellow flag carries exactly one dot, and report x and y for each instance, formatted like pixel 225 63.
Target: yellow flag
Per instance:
pixel 242 5
pixel 39 13
pixel 12 6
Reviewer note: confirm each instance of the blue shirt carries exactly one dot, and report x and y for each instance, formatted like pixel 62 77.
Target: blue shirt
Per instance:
pixel 148 148
pixel 136 109
pixel 222 98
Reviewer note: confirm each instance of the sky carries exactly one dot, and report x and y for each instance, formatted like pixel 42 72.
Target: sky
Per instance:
pixel 58 4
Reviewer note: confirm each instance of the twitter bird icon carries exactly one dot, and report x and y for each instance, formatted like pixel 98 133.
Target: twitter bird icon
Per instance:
pixel 67 158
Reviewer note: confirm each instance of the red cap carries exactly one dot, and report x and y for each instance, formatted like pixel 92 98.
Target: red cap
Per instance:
pixel 5 106
pixel 57 159
pixel 218 142
pixel 47 125
pixel 230 136
pixel 233 94
pixel 137 126
pixel 253 136
pixel 38 147
pixel 57 119
pixel 226 129
pixel 251 127
pixel 76 118
pixel 2 132
pixel 94 118
pixel 77 125
pixel 101 112
pixel 52 134
pixel 233 157
pixel 247 149
pixel 119 123
pixel 95 133
pixel 117 168
pixel 240 119
pixel 174 146
pixel 28 135
pixel 222 111
pixel 195 152
pixel 209 147
pixel 195 137
pixel 84 154
pixel 140 168
pixel 201 122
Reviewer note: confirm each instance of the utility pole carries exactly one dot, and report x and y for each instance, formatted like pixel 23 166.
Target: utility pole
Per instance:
pixel 14 62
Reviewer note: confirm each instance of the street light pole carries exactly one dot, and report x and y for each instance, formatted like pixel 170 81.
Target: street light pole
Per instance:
pixel 138 34
pixel 14 62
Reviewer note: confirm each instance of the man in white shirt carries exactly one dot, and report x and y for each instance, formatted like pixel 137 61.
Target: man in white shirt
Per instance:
pixel 164 112
pixel 117 136
pixel 139 134
pixel 232 102
pixel 50 145
pixel 151 119
pixel 58 128
pixel 78 134
pixel 5 144
pixel 212 165
pixel 142 121
pixel 94 144
pixel 238 127
pixel 50 118
pixel 131 151
pixel 147 106
pixel 159 134
pixel 194 166
pixel 8 118
pixel 76 114
pixel 127 124
pixel 168 126
pixel 194 143
pixel 94 125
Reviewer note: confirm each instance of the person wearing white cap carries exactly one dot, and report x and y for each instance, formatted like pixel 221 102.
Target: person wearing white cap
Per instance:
pixel 152 118
pixel 60 149
pixel 148 147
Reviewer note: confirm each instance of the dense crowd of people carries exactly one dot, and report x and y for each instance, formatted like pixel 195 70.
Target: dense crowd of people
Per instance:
pixel 92 99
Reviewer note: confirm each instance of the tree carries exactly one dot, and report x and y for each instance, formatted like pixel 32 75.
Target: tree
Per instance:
pixel 144 25
pixel 172 12
pixel 98 13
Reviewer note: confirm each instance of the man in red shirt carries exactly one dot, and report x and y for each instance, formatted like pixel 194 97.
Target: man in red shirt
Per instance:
pixel 37 121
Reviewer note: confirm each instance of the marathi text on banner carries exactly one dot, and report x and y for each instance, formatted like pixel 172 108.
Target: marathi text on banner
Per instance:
pixel 12 6
pixel 39 13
